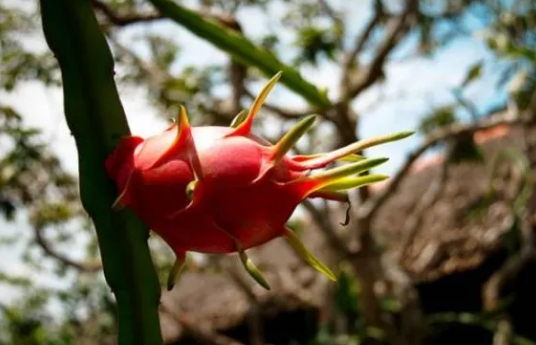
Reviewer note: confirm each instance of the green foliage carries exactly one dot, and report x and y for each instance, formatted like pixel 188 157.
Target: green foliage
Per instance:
pixel 426 40
pixel 474 72
pixel 241 49
pixel 32 178
pixel 511 37
pixel 17 63
pixel 192 87
pixel 315 43
pixel 519 25
pixel 481 320
pixel 27 324
pixel 32 317
pixel 164 51
pixel 232 6
pixel 347 294
pixel 439 118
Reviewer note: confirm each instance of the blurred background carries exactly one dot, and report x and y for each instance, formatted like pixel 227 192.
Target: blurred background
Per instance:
pixel 441 253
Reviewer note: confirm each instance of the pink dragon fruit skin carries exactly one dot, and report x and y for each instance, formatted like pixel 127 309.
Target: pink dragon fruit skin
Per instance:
pixel 221 190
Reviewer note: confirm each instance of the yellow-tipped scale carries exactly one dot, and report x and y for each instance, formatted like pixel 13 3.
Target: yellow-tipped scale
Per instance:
pixel 309 184
pixel 250 267
pixel 306 255
pixel 354 182
pixel 329 157
pixel 291 137
pixel 245 127
pixel 117 206
pixel 184 142
pixel 350 158
pixel 239 118
pixel 175 272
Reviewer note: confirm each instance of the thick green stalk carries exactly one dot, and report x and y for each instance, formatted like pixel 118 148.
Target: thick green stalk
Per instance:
pixel 242 50
pixel 97 120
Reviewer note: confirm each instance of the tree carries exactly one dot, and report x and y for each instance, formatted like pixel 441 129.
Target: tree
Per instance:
pixel 321 36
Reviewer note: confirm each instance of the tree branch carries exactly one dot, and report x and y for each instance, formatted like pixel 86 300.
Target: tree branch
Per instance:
pixel 124 20
pixel 397 29
pixel 363 38
pixel 326 8
pixel 333 15
pixel 49 251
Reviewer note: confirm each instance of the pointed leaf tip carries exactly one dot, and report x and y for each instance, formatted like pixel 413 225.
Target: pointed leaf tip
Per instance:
pixel 253 271
pixel 351 158
pixel 175 272
pixel 239 118
pixel 117 206
pixel 190 188
pixel 345 152
pixel 182 142
pixel 245 127
pixel 354 182
pixel 182 119
pixel 384 139
pixel 402 135
pixel 349 169
pixel 312 183
pixel 307 256
pixel 257 104
pixel 292 136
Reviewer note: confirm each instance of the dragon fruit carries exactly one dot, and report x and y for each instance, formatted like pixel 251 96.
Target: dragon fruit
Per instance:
pixel 223 189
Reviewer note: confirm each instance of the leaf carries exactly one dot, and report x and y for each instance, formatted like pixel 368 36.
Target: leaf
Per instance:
pixel 439 118
pixel 241 49
pixel 315 42
pixel 347 293
pixel 473 73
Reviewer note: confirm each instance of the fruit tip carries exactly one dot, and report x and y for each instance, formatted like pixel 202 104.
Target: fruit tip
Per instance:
pixel 405 134
pixel 378 161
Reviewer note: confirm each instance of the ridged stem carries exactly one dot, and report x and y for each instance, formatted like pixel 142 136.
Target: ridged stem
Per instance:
pixel 97 121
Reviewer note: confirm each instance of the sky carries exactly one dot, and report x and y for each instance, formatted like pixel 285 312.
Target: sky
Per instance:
pixel 412 88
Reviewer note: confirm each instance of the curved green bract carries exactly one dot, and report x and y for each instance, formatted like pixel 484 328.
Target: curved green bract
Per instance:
pixel 242 50
pixel 96 118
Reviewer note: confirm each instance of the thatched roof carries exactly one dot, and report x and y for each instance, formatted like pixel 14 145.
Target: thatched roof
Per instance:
pixel 448 240
pixel 455 234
